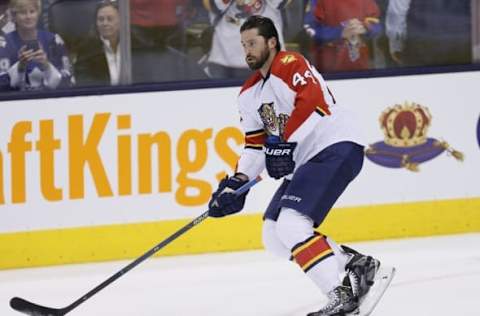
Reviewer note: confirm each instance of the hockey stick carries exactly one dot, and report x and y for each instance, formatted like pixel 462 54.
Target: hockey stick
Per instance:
pixel 32 309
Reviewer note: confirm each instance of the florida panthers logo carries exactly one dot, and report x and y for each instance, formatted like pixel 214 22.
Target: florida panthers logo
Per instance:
pixel 273 124
pixel 269 118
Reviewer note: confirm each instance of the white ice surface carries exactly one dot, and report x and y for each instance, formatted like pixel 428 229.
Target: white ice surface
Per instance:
pixel 438 276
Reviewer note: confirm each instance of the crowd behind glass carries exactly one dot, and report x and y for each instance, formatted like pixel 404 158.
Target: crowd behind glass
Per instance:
pixel 54 44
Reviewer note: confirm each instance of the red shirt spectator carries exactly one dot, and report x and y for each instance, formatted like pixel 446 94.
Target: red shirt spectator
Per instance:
pixel 156 23
pixel 151 13
pixel 344 28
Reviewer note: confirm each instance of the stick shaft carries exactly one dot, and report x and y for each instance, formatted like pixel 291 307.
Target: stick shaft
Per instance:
pixel 153 250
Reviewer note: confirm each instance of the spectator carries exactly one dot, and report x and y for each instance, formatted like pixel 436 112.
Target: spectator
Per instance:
pixel 159 51
pixel 155 22
pixel 293 22
pixel 6 22
pixel 340 31
pixel 99 58
pixel 396 28
pixel 227 16
pixel 381 57
pixel 439 32
pixel 31 58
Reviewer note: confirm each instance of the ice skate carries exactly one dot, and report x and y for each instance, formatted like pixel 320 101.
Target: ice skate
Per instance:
pixel 360 272
pixel 383 279
pixel 341 301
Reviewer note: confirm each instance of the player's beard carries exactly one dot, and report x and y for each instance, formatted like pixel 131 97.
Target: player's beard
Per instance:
pixel 257 63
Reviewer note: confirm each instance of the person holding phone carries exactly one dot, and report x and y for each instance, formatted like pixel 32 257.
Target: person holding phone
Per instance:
pixel 30 58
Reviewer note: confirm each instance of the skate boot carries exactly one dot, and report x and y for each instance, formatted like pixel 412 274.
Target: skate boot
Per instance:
pixel 340 302
pixel 360 272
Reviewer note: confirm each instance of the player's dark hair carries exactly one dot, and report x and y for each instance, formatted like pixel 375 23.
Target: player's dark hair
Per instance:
pixel 265 26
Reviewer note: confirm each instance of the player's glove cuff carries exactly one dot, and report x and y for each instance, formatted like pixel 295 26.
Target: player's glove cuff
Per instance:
pixel 224 202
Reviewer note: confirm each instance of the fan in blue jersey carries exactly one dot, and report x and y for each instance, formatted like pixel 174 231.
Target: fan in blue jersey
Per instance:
pixel 30 58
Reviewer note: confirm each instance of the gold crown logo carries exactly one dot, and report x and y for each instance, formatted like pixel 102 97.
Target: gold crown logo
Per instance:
pixel 405 125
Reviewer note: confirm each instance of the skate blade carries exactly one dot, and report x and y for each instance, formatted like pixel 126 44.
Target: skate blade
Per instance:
pixel 382 281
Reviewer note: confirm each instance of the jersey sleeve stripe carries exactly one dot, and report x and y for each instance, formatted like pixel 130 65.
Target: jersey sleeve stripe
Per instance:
pixel 255 133
pixel 255 147
pixel 321 111
pixel 258 139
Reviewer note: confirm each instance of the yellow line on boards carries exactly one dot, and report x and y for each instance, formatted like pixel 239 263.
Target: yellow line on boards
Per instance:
pixel 242 232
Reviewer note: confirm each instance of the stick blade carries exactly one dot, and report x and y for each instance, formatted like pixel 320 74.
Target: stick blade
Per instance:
pixel 32 309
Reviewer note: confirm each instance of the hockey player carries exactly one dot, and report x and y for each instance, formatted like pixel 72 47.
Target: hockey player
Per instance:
pixel 295 129
pixel 31 58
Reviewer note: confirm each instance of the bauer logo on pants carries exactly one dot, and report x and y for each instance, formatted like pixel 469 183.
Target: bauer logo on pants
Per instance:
pixel 406 144
pixel 291 198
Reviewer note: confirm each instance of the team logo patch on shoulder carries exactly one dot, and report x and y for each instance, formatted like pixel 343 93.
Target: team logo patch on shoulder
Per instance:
pixel 288 59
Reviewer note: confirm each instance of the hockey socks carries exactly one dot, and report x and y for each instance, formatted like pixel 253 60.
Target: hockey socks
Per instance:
pixel 317 259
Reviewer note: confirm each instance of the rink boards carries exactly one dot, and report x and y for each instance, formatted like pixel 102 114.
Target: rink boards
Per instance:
pixel 106 177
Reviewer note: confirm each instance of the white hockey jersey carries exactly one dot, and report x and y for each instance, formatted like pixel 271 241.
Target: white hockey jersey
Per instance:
pixel 226 49
pixel 293 102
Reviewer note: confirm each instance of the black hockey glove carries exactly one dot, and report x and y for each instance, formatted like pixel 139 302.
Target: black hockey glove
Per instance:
pixel 223 201
pixel 279 157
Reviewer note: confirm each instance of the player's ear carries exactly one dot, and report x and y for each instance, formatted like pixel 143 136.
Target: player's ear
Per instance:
pixel 272 42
